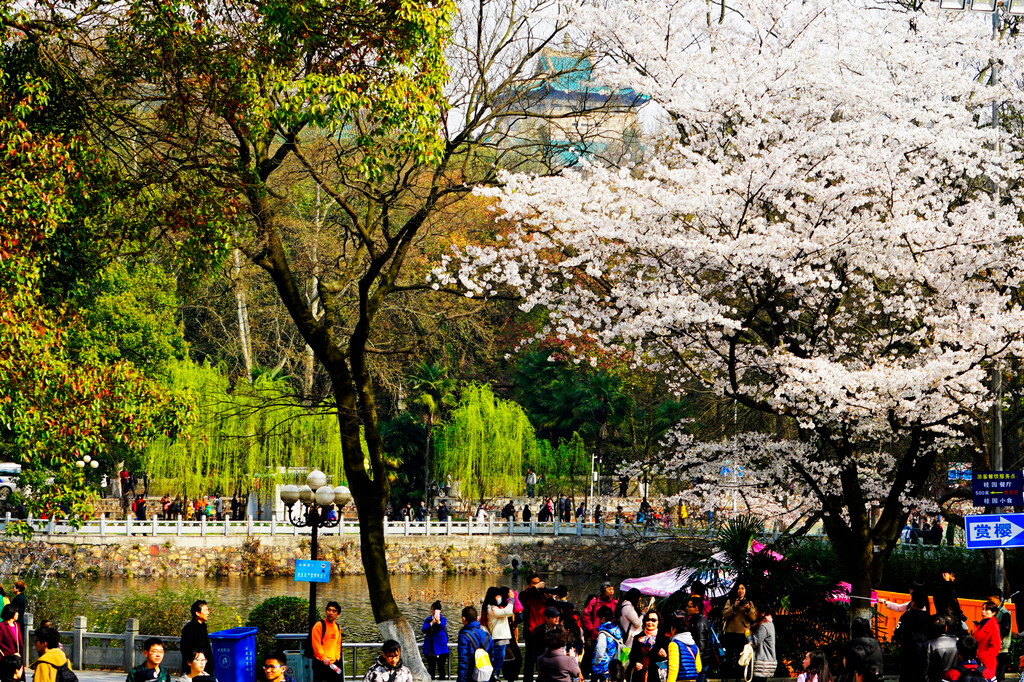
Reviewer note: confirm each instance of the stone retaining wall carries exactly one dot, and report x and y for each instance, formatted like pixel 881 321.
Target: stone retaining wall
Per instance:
pixel 241 555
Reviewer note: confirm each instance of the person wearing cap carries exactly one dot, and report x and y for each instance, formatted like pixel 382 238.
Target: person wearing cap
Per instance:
pixel 552 621
pixel 535 600
pixel 591 621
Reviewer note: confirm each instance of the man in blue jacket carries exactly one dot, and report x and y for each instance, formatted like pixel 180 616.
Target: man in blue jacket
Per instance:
pixel 472 636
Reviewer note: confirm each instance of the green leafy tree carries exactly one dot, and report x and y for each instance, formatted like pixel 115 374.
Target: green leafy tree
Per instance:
pixel 432 391
pixel 485 444
pixel 55 408
pixel 243 435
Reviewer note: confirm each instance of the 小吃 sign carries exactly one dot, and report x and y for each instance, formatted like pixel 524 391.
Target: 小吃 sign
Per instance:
pixel 997 489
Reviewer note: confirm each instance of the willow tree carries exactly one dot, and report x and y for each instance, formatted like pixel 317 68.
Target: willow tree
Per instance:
pixel 484 445
pixel 241 434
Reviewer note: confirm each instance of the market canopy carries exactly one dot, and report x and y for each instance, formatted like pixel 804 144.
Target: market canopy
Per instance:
pixel 668 582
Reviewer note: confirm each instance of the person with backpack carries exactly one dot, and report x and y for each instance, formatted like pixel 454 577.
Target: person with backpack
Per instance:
pixel 474 647
pixel 150 670
pixel 608 645
pixel 684 662
pixel 52 664
pixel 324 646
pixel 969 669
pixel 591 621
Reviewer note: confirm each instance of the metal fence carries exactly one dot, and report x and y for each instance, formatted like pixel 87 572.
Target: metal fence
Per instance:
pixel 112 651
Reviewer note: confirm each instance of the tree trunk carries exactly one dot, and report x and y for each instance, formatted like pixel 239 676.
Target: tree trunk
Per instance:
pixel 244 338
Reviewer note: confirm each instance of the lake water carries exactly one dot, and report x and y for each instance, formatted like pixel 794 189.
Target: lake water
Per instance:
pixel 414 594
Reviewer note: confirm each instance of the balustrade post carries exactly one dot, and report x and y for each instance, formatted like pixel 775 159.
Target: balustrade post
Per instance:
pixel 469 525
pixel 155 530
pixel 579 527
pixel 558 522
pixel 490 524
pixel 103 525
pixel 227 526
pixel 511 523
pixel 426 524
pixel 78 654
pixel 533 526
pixel 177 526
pixel 448 524
pixel 202 526
pixel 406 527
pixel 26 637
pixel 341 523
pixel 128 525
pixel 248 524
pixel 51 525
pixel 131 633
pixel 601 533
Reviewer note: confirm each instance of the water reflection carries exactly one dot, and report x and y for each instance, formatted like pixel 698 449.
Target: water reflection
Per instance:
pixel 414 593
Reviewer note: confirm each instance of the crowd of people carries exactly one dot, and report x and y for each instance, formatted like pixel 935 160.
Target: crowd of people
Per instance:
pixel 540 634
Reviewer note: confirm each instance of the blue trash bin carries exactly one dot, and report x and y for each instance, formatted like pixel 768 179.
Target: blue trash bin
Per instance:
pixel 234 654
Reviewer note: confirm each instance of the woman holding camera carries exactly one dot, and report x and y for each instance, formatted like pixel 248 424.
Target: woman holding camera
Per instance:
pixel 737 621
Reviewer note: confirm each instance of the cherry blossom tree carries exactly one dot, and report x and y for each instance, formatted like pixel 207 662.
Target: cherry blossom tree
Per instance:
pixel 818 233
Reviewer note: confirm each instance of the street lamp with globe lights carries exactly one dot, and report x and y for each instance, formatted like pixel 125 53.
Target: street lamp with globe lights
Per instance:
pixel 317 497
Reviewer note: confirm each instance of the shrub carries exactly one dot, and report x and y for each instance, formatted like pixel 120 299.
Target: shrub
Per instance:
pixel 57 600
pixel 275 616
pixel 162 612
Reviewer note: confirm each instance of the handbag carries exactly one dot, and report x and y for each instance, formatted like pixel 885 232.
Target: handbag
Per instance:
pixel 746 662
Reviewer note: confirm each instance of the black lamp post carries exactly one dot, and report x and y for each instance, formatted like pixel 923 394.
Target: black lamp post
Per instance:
pixel 317 498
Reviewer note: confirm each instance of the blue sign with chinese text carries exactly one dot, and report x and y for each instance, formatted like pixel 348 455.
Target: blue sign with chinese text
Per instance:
pixel 998 489
pixel 312 571
pixel 995 530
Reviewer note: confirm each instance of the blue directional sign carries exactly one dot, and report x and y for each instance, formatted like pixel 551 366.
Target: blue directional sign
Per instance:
pixel 995 530
pixel 316 571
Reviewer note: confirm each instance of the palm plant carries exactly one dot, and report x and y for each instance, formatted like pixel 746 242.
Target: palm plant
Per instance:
pixel 791 575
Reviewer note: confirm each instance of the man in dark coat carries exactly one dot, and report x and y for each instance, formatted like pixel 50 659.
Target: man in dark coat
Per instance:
pixel 863 649
pixel 194 636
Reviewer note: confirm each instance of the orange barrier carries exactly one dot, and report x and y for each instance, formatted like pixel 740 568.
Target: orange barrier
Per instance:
pixel 886 619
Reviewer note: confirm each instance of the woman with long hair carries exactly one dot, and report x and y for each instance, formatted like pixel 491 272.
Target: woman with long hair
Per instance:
pixel 735 629
pixel 815 668
pixel 627 615
pixel 494 615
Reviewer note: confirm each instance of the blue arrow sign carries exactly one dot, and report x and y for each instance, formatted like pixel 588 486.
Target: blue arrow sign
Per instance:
pixel 995 530
pixel 317 571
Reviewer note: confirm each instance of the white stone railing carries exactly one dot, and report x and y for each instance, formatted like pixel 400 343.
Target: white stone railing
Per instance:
pixel 156 527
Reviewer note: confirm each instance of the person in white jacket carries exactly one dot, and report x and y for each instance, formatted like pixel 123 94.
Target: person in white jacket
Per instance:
pixel 497 609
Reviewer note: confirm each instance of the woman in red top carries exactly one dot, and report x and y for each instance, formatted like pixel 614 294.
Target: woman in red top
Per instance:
pixel 989 639
pixel 10 633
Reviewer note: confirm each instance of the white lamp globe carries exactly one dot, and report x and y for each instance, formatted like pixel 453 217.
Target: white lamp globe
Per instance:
pixel 305 493
pixel 325 496
pixel 316 479
pixel 289 494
